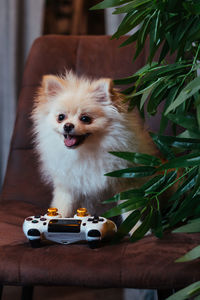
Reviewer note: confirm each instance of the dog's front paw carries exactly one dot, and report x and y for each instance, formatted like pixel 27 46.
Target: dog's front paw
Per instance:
pixel 63 202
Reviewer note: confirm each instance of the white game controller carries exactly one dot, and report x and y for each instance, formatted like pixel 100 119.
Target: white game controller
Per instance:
pixel 82 227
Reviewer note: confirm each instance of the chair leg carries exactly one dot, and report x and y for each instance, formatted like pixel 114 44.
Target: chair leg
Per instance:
pixel 27 293
pixel 1 291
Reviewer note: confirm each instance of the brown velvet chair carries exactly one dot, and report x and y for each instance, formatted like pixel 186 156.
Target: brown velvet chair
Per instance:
pixel 146 264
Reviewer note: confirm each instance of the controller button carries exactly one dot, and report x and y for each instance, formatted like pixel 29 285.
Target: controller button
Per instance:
pixel 90 219
pixel 33 232
pixel 45 223
pixel 35 221
pixel 94 233
pixel 29 219
pixel 101 219
pixel 95 221
pixel 84 224
pixel 37 217
pixel 43 219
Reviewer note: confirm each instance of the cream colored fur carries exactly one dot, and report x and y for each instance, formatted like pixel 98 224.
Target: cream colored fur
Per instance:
pixel 77 175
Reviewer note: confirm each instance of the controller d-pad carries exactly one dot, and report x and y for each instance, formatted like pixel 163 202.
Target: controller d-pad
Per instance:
pixel 90 219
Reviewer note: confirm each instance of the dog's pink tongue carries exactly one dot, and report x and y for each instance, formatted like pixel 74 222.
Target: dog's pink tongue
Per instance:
pixel 70 141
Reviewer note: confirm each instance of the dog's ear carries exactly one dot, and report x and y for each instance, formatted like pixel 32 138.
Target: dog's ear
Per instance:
pixel 102 89
pixel 52 85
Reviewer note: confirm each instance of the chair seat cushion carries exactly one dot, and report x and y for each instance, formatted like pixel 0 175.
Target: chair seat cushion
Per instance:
pixel 148 263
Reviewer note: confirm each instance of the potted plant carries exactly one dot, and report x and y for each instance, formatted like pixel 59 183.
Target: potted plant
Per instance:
pixel 173 28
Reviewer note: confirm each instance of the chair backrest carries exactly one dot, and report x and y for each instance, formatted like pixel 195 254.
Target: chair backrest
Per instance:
pixel 95 56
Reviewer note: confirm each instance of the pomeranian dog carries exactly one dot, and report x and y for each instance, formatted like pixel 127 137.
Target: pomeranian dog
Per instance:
pixel 77 122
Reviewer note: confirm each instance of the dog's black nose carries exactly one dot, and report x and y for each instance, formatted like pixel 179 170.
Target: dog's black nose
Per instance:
pixel 68 127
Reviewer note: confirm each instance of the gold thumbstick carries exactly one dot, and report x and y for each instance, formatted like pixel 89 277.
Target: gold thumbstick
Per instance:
pixel 82 212
pixel 52 212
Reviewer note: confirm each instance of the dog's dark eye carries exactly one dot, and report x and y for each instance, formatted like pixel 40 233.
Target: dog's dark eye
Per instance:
pixel 86 119
pixel 61 117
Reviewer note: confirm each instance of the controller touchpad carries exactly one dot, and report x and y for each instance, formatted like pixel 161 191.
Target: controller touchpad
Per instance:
pixel 57 225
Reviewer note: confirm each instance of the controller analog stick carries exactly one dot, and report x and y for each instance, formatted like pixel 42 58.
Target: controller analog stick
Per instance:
pixel 82 212
pixel 52 212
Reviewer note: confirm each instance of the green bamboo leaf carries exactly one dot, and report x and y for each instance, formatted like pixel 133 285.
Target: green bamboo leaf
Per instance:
pixel 194 31
pixel 157 96
pixel 154 46
pixel 181 33
pixel 191 255
pixel 138 158
pixel 186 93
pixel 187 185
pixel 131 39
pixel 170 98
pixel 186 292
pixel 131 6
pixel 133 193
pixel 147 89
pixel 128 224
pixel 172 69
pixel 189 160
pixel 133 102
pixel 189 134
pixel 162 146
pixel 169 178
pixel 143 228
pixel 144 97
pixel 152 185
pixel 144 30
pixel 157 183
pixel 197 105
pixel 189 228
pixel 115 198
pixel 169 37
pixel 109 3
pixel 126 206
pixel 152 43
pixel 133 172
pixel 185 210
pixel 187 121
pixel 133 78
pixel 193 7
pixel 157 19
pixel 128 80
pixel 184 143
pixel 164 51
pixel 130 21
